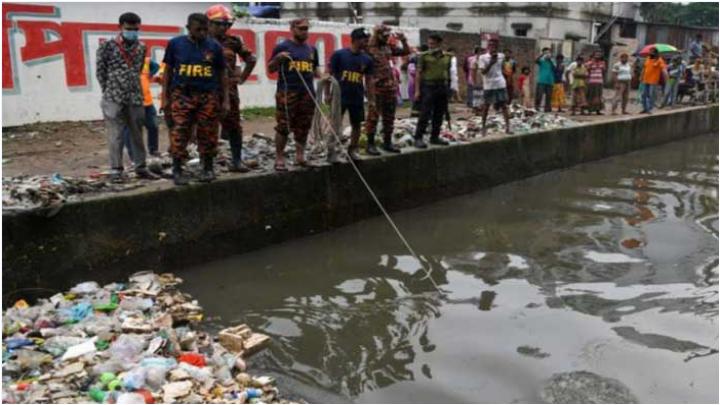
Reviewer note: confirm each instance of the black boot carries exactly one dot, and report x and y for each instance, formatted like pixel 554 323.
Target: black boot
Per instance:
pixel 236 165
pixel 436 140
pixel 208 174
pixel 389 147
pixel 371 149
pixel 179 178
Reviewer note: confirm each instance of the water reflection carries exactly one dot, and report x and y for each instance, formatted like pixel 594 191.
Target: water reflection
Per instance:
pixel 562 262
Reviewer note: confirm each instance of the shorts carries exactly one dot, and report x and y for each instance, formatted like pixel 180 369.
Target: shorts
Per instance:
pixel 355 112
pixel 496 97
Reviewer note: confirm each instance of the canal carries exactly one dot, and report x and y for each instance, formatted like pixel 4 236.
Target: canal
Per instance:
pixel 609 267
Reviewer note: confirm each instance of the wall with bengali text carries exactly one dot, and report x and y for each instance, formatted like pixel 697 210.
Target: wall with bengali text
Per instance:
pixel 49 53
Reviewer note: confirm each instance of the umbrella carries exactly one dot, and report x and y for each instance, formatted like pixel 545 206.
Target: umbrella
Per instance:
pixel 662 48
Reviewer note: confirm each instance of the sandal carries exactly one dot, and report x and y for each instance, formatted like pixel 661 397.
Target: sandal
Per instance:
pixel 280 167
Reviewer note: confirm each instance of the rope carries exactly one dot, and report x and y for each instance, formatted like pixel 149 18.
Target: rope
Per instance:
pixel 428 272
pixel 328 93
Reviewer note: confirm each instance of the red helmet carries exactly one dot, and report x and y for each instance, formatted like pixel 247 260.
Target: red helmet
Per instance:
pixel 219 12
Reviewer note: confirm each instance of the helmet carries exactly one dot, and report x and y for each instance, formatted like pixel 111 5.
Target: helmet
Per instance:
pixel 219 12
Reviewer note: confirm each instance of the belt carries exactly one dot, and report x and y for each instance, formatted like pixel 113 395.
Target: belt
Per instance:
pixel 187 90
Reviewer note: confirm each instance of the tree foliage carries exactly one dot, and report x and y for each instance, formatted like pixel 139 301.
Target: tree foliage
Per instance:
pixel 697 14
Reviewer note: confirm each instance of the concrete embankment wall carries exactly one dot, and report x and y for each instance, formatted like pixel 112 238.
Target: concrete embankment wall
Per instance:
pixel 162 227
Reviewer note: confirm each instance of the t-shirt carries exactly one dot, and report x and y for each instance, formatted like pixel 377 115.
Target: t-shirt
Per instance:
pixel 349 69
pixel 652 70
pixel 559 72
pixel 696 49
pixel 494 78
pixel 676 71
pixel 545 71
pixel 623 71
pixel 304 62
pixel 569 69
pixel 434 66
pixel 198 66
pixel 595 71
pixel 469 65
pixel 580 73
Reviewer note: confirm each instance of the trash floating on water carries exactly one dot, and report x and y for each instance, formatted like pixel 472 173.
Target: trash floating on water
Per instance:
pixel 134 342
pixel 584 387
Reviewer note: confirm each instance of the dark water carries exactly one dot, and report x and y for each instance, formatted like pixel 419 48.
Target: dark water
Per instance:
pixel 609 267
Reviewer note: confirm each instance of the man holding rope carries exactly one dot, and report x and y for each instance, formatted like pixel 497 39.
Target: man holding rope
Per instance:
pixel 297 62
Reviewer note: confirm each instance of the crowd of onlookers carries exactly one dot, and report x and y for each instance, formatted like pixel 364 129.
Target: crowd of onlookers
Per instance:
pixel 559 83
pixel 202 84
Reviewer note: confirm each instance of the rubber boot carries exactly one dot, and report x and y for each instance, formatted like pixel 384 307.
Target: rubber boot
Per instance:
pixel 371 149
pixel 208 174
pixel 236 164
pixel 388 145
pixel 179 178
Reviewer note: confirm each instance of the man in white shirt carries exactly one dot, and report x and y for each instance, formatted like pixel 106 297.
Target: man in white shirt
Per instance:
pixel 494 85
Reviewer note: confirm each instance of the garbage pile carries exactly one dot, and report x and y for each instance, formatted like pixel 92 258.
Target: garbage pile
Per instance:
pixel 522 120
pixel 135 342
pixel 31 192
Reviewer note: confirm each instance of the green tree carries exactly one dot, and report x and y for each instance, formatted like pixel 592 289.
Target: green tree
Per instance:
pixel 699 14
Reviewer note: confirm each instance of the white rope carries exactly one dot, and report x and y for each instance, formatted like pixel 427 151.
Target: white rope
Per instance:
pixel 428 272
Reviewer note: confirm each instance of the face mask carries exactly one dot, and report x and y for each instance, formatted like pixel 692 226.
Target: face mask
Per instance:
pixel 130 35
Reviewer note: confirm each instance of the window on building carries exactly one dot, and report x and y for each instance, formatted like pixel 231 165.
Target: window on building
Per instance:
pixel 628 30
pixel 521 29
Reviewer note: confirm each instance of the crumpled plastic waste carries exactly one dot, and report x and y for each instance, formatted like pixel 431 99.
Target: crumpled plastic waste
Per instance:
pixel 80 347
pixel 522 120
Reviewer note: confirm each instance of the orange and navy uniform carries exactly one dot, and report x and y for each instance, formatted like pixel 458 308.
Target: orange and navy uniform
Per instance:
pixel 196 70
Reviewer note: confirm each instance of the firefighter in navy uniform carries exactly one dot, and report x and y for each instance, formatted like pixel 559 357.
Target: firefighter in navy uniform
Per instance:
pixel 221 19
pixel 195 89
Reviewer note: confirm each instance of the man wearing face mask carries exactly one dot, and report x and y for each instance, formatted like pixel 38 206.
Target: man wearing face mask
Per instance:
pixel 119 63
pixel 195 88
pixel 221 19
pixel 433 72
pixel 383 88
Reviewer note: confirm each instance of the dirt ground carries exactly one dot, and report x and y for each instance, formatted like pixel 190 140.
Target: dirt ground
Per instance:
pixel 80 148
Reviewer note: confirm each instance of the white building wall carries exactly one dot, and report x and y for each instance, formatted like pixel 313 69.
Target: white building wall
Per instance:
pixel 575 18
pixel 49 53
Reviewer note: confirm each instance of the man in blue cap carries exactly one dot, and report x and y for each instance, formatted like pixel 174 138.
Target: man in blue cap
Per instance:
pixel 350 67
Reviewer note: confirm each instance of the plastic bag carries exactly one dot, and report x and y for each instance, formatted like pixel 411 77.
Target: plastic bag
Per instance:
pixel 58 345
pixel 31 359
pixel 87 287
pixel 127 348
pixel 135 379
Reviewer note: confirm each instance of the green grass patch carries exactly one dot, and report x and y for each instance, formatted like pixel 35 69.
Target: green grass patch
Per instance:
pixel 258 112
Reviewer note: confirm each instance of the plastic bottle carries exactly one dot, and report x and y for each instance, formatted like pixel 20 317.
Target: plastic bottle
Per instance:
pixel 130 398
pixel 106 378
pixel 134 379
pixel 97 394
pixel 253 393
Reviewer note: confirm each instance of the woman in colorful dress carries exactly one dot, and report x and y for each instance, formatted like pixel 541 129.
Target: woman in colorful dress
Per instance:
pixel 596 76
